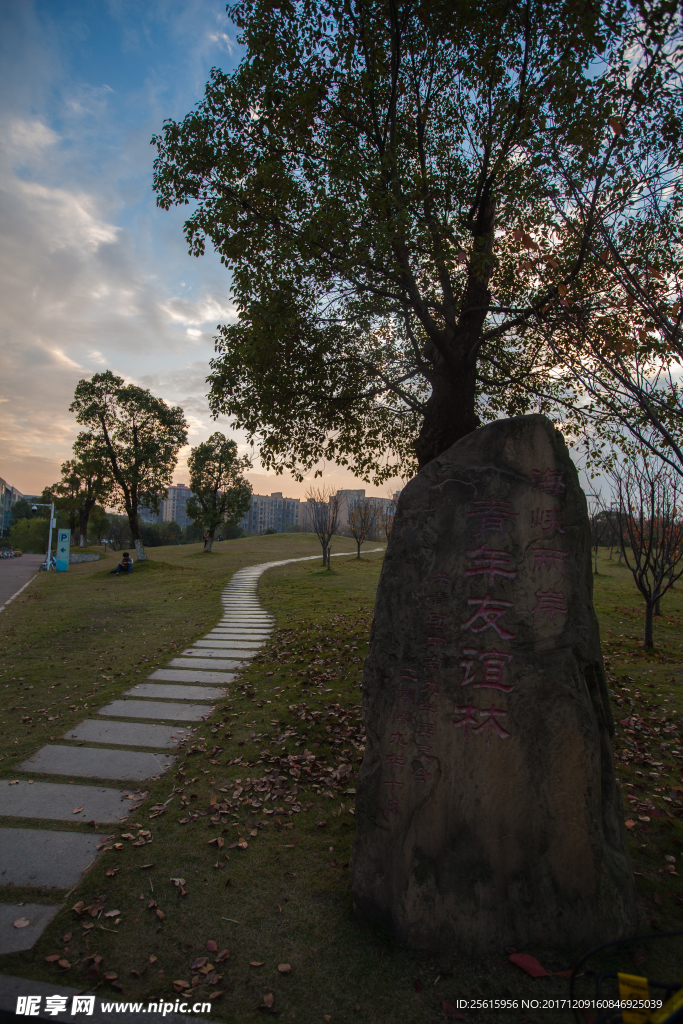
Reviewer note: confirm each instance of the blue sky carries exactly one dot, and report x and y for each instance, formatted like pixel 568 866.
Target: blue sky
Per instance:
pixel 93 275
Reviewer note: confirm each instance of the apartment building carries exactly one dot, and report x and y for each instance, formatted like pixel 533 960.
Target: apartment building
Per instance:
pixel 274 511
pixel 8 496
pixel 173 507
pixel 349 499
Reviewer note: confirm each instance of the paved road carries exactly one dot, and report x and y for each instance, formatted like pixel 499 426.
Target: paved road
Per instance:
pixel 15 572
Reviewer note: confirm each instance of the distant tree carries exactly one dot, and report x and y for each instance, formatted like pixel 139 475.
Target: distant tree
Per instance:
pixel 30 535
pixel 98 524
pixel 84 482
pixel 137 435
pixel 386 518
pixel 233 533
pixel 600 524
pixel 362 520
pixel 323 516
pixel 220 494
pixel 119 532
pixel 192 533
pixel 156 535
pixel 23 509
pixel 648 497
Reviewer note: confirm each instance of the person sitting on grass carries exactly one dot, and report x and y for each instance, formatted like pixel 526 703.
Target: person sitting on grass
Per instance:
pixel 125 565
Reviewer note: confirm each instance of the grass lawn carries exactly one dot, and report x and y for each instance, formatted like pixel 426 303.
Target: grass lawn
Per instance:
pixel 250 838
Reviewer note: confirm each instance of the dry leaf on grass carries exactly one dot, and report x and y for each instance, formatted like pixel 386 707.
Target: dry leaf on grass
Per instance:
pixel 630 823
pixel 199 962
pixel 111 872
pixel 256 963
pixel 22 922
pixel 284 968
pixel 65 964
pixel 110 975
pixel 52 959
pixel 180 986
pixel 223 955
pixel 113 913
pixel 529 964
pixel 211 946
pixel 67 937
pixel 161 915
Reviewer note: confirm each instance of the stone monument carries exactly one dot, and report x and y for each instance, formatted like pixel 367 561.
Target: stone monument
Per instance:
pixel 487 809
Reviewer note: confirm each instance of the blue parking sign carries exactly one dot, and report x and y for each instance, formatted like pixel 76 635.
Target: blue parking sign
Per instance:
pixel 63 545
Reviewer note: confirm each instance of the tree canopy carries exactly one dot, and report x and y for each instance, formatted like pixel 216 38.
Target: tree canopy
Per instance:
pixel 408 195
pixel 220 493
pixel 137 435
pixel 84 482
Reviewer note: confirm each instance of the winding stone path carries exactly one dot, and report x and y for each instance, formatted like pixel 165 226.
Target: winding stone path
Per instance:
pixel 109 748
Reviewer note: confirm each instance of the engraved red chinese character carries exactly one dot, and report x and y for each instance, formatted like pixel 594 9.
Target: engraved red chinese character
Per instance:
pixel 493 514
pixel 549 558
pixel 551 481
pixel 397 738
pixel 408 673
pixel 548 519
pixel 395 759
pixel 439 597
pixel 392 807
pixel 432 664
pixel 490 715
pixel 550 601
pixel 494 663
pixel 428 708
pixel 431 687
pixel 393 783
pixel 437 621
pixel 423 751
pixel 442 579
pixel 403 717
pixel 469 656
pixel 424 729
pixel 470 713
pixel 435 641
pixel 406 696
pixel 490 562
pixel 421 774
pixel 489 610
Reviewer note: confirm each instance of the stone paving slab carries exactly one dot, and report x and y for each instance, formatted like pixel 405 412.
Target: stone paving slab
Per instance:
pixel 36 856
pixel 214 664
pixel 16 940
pixel 11 988
pixel 237 645
pixel 97 763
pixel 158 692
pixel 163 712
pixel 131 734
pixel 57 801
pixel 182 675
pixel 226 655
pixel 247 632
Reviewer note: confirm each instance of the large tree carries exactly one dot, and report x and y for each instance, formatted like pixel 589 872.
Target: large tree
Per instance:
pixel 137 435
pixel 220 493
pixel 85 482
pixel 409 197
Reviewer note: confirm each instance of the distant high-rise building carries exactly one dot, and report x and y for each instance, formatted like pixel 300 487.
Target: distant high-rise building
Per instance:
pixel 272 511
pixel 173 506
pixel 8 496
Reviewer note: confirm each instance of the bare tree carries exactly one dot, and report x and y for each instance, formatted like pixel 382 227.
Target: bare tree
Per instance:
pixel 386 517
pixel 362 520
pixel 598 516
pixel 323 514
pixel 651 529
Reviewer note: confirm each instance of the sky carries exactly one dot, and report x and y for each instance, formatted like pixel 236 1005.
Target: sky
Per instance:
pixel 93 275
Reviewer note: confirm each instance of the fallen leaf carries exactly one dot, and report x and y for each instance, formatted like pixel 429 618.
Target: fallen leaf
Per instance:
pixel 152 959
pixel 630 823
pixel 161 915
pixel 110 975
pixel 52 959
pixel 284 968
pixel 22 922
pixel 77 810
pixel 92 972
pixel 256 963
pixel 180 986
pixel 243 844
pixel 268 1000
pixel 417 984
pixel 529 964
pixel 211 946
pixel 65 964
pixel 199 962
pixel 208 969
pixel 218 842
pixel 111 872
pixel 143 866
pixel 112 913
pixel 223 955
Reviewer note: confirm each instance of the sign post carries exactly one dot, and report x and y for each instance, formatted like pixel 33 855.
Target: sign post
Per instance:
pixel 63 545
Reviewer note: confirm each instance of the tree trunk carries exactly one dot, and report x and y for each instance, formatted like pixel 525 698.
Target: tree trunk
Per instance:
pixel 649 608
pixel 658 607
pixel 595 562
pixel 83 518
pixel 449 414
pixel 358 546
pixel 324 554
pixel 208 540
pixel 137 539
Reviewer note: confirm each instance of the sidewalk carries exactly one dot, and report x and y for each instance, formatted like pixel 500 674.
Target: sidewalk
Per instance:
pixel 15 572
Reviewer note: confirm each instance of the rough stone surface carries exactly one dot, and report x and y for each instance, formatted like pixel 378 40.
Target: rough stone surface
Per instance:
pixel 158 692
pixel 58 801
pixel 15 940
pixel 182 675
pixel 129 734
pixel 487 810
pixel 97 763
pixel 33 856
pixel 248 646
pixel 208 652
pixel 151 709
pixel 211 663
